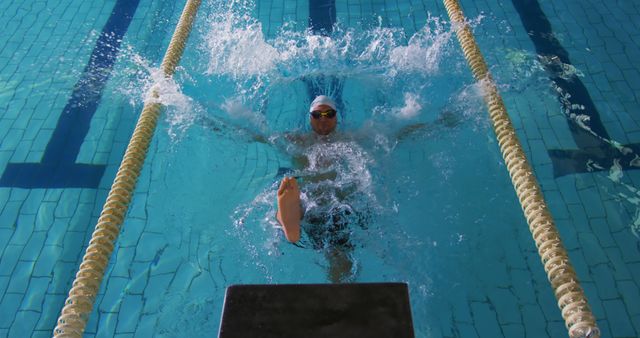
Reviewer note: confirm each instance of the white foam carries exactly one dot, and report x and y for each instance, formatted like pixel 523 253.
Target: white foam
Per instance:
pixel 411 108
pixel 239 51
pixel 424 51
pixel 143 83
pixel 235 108
pixel 238 48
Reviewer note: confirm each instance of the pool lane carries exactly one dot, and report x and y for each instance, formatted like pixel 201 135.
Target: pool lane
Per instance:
pixel 590 147
pixel 322 18
pixel 57 168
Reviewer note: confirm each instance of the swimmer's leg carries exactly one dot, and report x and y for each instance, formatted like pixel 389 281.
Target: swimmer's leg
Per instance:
pixel 289 209
pixel 340 264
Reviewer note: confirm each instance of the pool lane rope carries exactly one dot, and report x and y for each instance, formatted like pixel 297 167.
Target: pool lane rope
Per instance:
pixel 573 304
pixel 85 287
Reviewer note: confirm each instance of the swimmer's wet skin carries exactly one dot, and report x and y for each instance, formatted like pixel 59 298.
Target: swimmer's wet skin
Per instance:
pixel 323 121
pixel 322 117
pixel 289 209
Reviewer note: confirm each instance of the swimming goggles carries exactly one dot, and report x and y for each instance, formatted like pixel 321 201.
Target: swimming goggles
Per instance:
pixel 328 113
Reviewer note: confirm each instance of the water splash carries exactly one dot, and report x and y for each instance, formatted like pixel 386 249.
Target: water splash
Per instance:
pixel 237 110
pixel 522 70
pixel 239 49
pixel 411 108
pixel 240 54
pixel 425 49
pixel 468 104
pixel 140 83
pixel 568 109
pixel 629 194
pixel 259 211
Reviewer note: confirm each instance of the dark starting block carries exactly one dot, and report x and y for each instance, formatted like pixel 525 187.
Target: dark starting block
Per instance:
pixel 317 310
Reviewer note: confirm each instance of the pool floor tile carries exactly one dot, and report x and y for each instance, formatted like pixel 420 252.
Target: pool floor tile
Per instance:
pixel 514 330
pixel 63 274
pixel 593 252
pixel 605 283
pixel 556 328
pixel 33 202
pixel 466 330
pixel 36 295
pixel 636 322
pixel 9 214
pixel 123 335
pixel 24 323
pixel 9 259
pixel 41 333
pixel 155 291
pixel 628 245
pixel 9 305
pixel 620 270
pixel 55 235
pixel 72 245
pixel 46 261
pixel 485 321
pixel 617 316
pixel 146 326
pixel 4 283
pixel 630 294
pixel 81 221
pixel 68 203
pixel 609 258
pixel 5 235
pixel 130 313
pixel 154 244
pixel 112 299
pixel 32 249
pixel 51 307
pixel 138 278
pixel 506 306
pixel 121 261
pixel 20 277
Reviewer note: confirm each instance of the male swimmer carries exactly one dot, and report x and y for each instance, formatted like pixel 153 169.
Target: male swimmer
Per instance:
pixel 323 120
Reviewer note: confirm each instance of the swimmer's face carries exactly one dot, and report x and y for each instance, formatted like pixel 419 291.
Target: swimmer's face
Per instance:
pixel 323 125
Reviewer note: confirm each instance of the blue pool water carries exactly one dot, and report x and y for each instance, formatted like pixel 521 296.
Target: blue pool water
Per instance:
pixel 438 210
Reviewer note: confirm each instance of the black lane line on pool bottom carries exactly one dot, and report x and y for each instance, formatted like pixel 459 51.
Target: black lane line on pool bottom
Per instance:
pixel 322 18
pixel 57 168
pixel 594 154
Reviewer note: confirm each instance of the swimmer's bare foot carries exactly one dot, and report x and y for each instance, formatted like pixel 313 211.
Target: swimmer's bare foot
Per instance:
pixel 289 209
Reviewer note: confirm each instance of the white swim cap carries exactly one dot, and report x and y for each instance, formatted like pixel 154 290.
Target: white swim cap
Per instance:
pixel 322 100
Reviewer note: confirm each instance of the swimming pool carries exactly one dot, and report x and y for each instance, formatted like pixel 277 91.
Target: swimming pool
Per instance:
pixel 437 200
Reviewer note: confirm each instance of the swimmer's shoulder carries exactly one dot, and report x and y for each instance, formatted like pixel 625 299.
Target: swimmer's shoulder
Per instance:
pixel 300 139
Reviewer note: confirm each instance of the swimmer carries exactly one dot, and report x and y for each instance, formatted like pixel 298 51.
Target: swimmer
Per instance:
pixel 328 226
pixel 334 240
pixel 323 120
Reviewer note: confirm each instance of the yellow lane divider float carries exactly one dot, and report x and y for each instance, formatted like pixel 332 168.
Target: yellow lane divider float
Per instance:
pixel 79 304
pixel 573 304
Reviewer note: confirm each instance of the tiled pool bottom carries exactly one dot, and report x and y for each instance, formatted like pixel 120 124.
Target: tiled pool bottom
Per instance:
pixel 42 251
pixel 42 235
pixel 43 231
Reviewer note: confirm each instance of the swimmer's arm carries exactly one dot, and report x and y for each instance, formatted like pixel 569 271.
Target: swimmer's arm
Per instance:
pixel 414 129
pixel 342 194
pixel 315 178
pixel 445 119
pixel 299 161
pixel 219 125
